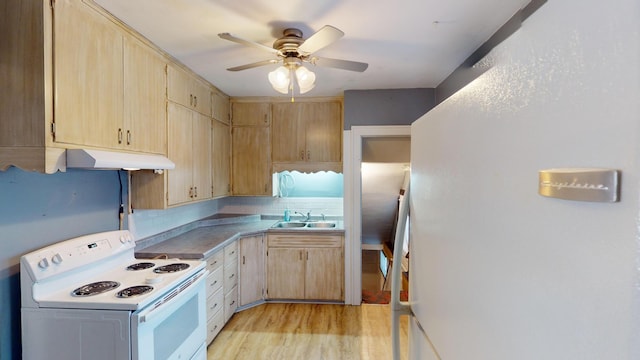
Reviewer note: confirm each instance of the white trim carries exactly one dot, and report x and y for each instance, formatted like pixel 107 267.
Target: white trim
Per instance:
pixel 352 156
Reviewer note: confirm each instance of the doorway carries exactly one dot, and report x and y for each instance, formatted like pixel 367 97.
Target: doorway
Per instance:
pixel 380 149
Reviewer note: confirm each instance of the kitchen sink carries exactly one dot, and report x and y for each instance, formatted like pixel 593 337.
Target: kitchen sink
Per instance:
pixel 305 225
pixel 283 224
pixel 321 225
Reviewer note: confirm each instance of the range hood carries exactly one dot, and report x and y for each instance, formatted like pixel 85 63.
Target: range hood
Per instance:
pixel 111 160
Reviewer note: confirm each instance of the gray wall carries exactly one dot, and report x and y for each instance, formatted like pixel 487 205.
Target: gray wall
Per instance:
pixel 386 107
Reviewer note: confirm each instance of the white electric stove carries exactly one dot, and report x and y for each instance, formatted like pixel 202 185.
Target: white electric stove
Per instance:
pixel 89 297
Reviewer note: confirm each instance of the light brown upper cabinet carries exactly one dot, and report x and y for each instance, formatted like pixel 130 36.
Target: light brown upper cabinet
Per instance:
pixel 88 68
pixel 189 147
pixel 251 113
pixel 187 90
pixel 190 150
pixel 220 104
pixel 251 150
pixel 105 89
pixel 307 135
pixel 145 112
pixel 221 157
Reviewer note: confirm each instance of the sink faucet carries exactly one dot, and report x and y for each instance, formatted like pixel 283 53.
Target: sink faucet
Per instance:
pixel 306 217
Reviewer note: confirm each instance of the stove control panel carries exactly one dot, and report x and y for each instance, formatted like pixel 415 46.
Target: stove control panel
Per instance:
pixel 75 253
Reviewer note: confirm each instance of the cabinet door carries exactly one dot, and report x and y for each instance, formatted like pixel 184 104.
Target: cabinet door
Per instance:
pixel 324 132
pixel 324 274
pixel 187 90
pixel 201 165
pixel 220 106
pixel 180 151
pixel 221 163
pixel 285 273
pixel 251 114
pixel 251 269
pixel 251 161
pixel 145 113
pixel 88 67
pixel 288 132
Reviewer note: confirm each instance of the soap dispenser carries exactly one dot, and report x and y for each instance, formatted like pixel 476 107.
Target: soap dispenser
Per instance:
pixel 287 215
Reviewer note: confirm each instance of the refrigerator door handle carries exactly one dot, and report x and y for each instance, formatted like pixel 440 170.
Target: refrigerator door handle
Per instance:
pixel 398 308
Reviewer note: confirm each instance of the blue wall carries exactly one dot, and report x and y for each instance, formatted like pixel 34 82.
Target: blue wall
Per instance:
pixel 38 210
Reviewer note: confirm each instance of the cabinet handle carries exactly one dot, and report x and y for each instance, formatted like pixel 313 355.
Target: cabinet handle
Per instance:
pixel 195 191
pixel 191 192
pixel 266 121
pixel 128 137
pixel 119 136
pixel 195 101
pixel 301 154
pixel 191 99
pixel 242 259
pixel 308 155
pixel 232 275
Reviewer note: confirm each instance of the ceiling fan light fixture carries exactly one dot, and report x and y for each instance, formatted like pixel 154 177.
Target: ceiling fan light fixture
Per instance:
pixel 306 79
pixel 279 79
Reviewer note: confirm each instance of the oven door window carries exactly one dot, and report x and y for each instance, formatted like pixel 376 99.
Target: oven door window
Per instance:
pixel 174 330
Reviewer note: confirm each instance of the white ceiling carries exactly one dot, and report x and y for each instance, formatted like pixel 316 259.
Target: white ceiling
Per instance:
pixel 407 43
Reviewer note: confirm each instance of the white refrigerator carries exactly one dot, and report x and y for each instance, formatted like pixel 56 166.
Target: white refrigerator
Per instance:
pixel 496 270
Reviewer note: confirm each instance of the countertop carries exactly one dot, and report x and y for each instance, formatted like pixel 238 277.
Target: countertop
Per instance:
pixel 203 238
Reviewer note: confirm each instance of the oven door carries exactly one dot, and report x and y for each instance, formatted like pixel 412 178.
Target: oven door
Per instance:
pixel 177 329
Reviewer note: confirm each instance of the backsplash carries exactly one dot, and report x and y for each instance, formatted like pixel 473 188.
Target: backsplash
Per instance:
pixel 276 206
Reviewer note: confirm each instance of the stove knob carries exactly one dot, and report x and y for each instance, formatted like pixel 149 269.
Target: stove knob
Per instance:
pixel 56 259
pixel 43 264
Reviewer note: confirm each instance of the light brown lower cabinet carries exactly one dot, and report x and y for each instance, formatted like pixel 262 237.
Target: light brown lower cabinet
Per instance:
pixel 222 288
pixel 251 270
pixel 305 267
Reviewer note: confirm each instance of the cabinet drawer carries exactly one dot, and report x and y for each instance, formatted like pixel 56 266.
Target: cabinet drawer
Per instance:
pixel 215 303
pixel 230 303
pixel 214 281
pixel 215 261
pixel 230 275
pixel 306 241
pixel 231 252
pixel 214 325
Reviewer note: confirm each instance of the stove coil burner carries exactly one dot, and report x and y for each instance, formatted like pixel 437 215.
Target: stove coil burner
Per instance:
pixel 95 288
pixel 170 268
pixel 140 266
pixel 134 291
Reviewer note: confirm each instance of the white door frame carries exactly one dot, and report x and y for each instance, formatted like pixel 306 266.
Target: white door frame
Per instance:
pixel 352 162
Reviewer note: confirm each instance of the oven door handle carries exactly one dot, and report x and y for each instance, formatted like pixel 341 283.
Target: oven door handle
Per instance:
pixel 171 298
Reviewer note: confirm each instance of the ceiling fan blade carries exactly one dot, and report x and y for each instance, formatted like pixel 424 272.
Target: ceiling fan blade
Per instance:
pixel 253 65
pixel 339 64
pixel 238 40
pixel 321 38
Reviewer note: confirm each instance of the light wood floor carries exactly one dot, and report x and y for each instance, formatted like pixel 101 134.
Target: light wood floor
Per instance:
pixel 308 332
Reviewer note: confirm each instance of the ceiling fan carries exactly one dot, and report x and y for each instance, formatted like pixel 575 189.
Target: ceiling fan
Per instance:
pixel 293 50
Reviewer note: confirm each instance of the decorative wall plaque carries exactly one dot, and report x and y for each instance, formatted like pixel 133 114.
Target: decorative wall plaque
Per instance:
pixel 596 185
